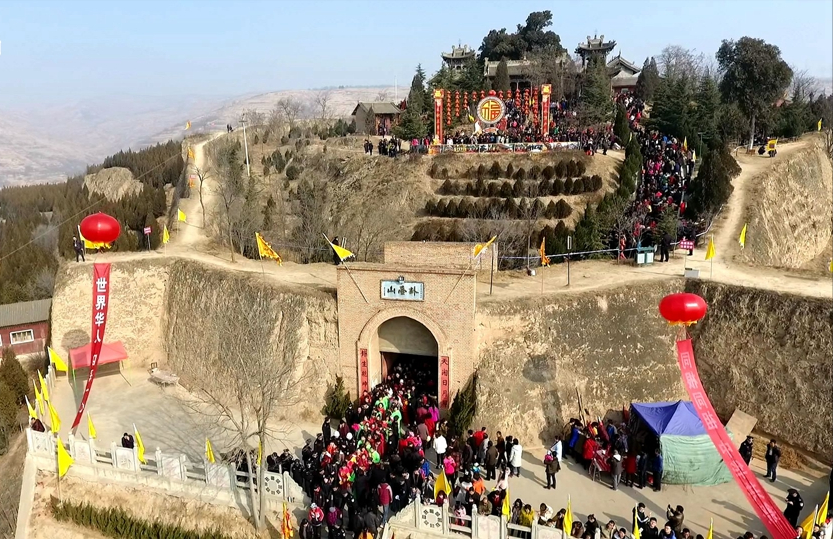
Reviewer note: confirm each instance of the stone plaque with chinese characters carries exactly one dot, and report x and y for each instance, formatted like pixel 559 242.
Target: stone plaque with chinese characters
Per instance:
pixel 403 290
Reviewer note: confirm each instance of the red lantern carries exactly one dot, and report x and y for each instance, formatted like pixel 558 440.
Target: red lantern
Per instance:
pixel 482 94
pixel 474 95
pixel 100 227
pixel 682 309
pixel 492 93
pixel 508 94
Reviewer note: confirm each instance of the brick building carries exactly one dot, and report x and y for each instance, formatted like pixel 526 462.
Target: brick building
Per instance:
pixel 25 326
pixel 419 307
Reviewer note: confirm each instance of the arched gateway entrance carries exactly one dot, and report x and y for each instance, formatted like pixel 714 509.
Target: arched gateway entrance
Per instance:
pixel 408 347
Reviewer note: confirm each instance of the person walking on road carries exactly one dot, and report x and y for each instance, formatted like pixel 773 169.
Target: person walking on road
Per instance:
pixel 516 457
pixel 772 456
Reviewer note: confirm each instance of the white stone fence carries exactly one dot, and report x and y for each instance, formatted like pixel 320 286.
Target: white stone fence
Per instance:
pixel 168 471
pixel 418 518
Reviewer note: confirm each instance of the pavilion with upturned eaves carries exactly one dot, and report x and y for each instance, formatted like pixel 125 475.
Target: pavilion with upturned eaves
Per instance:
pixel 594 47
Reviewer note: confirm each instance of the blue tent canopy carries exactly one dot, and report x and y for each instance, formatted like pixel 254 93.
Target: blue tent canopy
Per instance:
pixel 674 418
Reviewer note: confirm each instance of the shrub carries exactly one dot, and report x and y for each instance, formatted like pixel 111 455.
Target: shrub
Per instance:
pixel 431 206
pixel 572 168
pixel 560 169
pixel 447 188
pixel 336 400
pixel 518 188
pixel 452 209
pixel 433 171
pixel 463 408
pixel 266 137
pixel 496 205
pixel 494 189
pixel 548 172
pixel 596 182
pixel 284 140
pixel 581 168
pixel 13 375
pixel 531 189
pixel 293 172
pixel 444 173
pixel 561 229
pixel 510 170
pixel 266 169
pixel 480 188
pixel 115 522
pixel 562 209
pixel 510 208
pixel 262 159
pixel 535 172
pixel 466 209
pixel 468 189
pixel 506 190
pixel 441 208
pixel 568 186
pixel 520 174
pixel 557 187
pixel 496 171
pixel 578 186
pixel 544 187
pixel 538 208
pixel 481 171
pixel 8 409
pixel 469 173
pixel 549 213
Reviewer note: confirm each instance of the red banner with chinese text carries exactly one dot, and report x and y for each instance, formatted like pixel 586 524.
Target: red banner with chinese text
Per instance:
pixel 364 384
pixel 444 381
pixel 772 518
pixel 438 115
pixel 546 90
pixel 101 299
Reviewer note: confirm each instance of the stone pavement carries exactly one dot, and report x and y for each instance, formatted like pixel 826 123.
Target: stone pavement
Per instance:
pixel 165 421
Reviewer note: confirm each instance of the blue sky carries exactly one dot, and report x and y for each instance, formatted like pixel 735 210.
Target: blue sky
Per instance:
pixel 61 51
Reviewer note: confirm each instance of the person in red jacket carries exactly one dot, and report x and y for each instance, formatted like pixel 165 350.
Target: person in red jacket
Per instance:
pixel 385 497
pixel 589 451
pixel 316 519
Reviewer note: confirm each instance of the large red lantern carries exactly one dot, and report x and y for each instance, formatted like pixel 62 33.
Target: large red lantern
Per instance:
pixel 682 309
pixel 100 227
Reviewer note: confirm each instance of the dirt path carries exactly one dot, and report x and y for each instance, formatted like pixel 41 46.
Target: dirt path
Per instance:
pixel 194 231
pixel 728 226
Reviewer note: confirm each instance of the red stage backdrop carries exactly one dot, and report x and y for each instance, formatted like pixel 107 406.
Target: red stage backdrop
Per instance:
pixel 767 511
pixel 101 298
pixel 438 115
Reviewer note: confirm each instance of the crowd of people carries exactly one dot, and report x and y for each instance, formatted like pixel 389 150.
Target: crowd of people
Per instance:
pixel 390 147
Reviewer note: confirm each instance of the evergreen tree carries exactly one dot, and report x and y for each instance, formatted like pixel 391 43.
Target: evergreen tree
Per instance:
pixel 336 400
pixel 154 236
pixel 707 101
pixel 501 82
pixel 596 104
pixel 416 96
pixel 713 184
pixel 410 124
pixel 588 234
pixel 620 125
pixel 464 408
pixel 370 122
pixel 13 375
pixel 268 212
pixel 648 80
pixel 8 415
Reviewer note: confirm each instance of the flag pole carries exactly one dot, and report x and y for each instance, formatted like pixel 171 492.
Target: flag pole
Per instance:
pixel 58 467
pixel 347 268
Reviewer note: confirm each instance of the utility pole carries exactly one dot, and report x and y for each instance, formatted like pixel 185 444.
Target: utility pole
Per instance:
pixel 246 145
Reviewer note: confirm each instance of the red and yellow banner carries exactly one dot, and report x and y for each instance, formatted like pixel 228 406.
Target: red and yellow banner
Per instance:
pixel 445 381
pixel 101 299
pixel 546 90
pixel 438 115
pixel 767 511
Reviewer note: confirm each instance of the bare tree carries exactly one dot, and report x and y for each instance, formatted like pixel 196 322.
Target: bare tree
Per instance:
pixel 675 62
pixel 290 109
pixel 559 71
pixel 383 95
pixel 276 121
pixel 201 175
pixel 803 86
pixel 231 187
pixel 254 118
pixel 323 105
pixel 312 214
pixel 251 372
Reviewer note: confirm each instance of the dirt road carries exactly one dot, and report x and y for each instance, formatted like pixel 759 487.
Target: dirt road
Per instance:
pixel 194 231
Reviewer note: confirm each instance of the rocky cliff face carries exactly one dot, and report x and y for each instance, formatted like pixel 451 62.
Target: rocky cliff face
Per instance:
pixel 113 183
pixel 790 209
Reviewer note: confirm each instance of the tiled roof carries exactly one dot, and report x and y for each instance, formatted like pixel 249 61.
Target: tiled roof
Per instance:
pixel 27 312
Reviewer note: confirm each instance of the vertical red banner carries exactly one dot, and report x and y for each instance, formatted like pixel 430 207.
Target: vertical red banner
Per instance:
pixel 438 115
pixel 364 383
pixel 546 90
pixel 444 381
pixel 767 511
pixel 101 299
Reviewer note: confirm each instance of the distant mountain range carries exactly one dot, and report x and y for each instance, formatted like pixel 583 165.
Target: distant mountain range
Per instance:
pixel 46 145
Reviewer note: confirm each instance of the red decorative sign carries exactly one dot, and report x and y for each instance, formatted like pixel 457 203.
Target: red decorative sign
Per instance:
pixel 444 381
pixel 101 299
pixel 490 110
pixel 546 90
pixel 767 511
pixel 438 115
pixel 364 382
pixel 147 230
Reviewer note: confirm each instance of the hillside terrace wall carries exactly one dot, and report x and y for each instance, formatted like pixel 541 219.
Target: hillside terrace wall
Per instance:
pixel 440 254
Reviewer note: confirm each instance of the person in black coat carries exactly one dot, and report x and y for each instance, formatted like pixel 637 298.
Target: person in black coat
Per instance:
pixel 326 430
pixel 664 247
pixel 773 455
pixel 745 450
pixel 794 506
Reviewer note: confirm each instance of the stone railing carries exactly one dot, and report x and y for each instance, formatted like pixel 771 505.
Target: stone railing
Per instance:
pixel 213 483
pixel 418 518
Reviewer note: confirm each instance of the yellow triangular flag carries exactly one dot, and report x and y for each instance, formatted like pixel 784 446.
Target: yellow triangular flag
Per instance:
pixel 39 399
pixel 180 216
pixel 187 125
pixel 685 144
pixel 693 156
pixel 54 420
pixel 636 532
pixel 710 249
pixel 441 485
pixel 64 460
pixel 809 522
pixel 505 508
pixel 56 360
pixel 140 447
pixel 480 247
pixel 209 451
pixel 91 427
pixel 568 518
pixel 30 408
pixel 190 154
pixel 545 260
pixel 166 236
pixel 342 253
pixel 43 389
pixel 265 250
pixel 823 510
pixel 742 238
pixel 819 127
pixel 92 244
pixel 710 534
